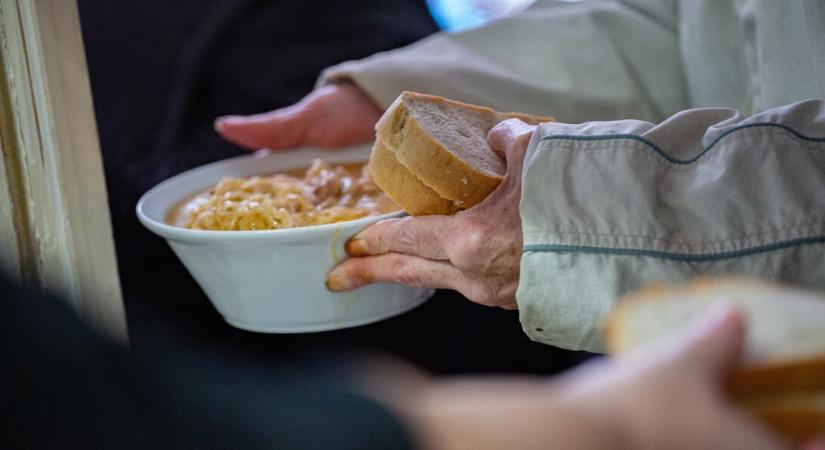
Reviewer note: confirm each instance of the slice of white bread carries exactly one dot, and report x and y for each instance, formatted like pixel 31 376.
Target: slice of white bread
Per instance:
pixel 443 146
pixel 782 377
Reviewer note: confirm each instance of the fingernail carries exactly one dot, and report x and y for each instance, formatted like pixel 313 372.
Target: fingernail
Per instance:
pixel 218 124
pixel 338 283
pixel 357 246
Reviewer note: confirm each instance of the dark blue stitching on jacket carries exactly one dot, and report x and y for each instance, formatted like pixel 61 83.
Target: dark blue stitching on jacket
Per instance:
pixel 664 154
pixel 688 257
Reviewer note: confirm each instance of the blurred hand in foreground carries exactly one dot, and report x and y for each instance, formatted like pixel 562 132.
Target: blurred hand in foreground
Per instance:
pixel 476 251
pixel 332 116
pixel 670 396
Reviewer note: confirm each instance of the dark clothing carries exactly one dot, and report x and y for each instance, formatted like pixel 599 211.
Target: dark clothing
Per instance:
pixel 63 387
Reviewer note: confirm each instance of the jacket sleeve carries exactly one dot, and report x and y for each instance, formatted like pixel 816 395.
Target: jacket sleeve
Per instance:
pixel 590 60
pixel 608 207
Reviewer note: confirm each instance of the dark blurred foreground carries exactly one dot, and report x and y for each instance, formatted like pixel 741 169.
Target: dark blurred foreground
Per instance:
pixel 62 387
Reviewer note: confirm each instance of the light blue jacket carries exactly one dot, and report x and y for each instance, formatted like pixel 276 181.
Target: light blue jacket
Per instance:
pixel 730 182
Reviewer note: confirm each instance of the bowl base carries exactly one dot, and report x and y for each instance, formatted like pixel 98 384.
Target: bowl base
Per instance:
pixel 314 327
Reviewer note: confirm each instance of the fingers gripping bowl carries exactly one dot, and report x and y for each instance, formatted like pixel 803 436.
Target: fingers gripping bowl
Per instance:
pixel 273 280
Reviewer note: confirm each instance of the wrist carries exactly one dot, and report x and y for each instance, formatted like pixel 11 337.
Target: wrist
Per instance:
pixel 357 92
pixel 589 425
pixel 481 414
pixel 523 414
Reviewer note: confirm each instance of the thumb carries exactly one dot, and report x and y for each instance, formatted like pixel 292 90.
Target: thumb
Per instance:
pixel 278 129
pixel 509 139
pixel 715 344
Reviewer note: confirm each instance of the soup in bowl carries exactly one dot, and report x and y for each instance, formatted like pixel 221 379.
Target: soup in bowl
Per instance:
pixel 259 233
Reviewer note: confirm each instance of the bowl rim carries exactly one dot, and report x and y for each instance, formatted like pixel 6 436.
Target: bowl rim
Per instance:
pixel 283 234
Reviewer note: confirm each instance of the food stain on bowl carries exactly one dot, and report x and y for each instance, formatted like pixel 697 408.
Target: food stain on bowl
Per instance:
pixel 336 243
pixel 348 299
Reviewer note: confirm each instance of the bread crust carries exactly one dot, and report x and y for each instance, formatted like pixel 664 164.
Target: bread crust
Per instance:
pixel 403 187
pixel 804 374
pixel 798 416
pixel 441 170
pixel 611 327
pixel 433 164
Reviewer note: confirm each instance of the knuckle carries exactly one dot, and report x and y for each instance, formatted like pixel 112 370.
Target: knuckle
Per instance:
pixel 475 233
pixel 524 137
pixel 382 236
pixel 497 133
pixel 377 243
pixel 467 251
pixel 405 237
pixel 362 273
pixel 403 271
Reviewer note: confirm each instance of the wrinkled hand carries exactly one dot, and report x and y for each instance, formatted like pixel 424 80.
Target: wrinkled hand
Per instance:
pixel 476 252
pixel 671 396
pixel 332 116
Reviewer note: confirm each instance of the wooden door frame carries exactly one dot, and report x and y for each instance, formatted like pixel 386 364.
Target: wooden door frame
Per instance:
pixel 54 217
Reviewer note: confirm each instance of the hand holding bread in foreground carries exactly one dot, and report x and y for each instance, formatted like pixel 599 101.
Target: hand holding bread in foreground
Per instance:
pixel 669 396
pixel 665 398
pixel 780 376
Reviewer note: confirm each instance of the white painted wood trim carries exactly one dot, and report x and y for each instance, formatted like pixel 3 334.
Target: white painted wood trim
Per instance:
pixel 61 171
pixel 10 258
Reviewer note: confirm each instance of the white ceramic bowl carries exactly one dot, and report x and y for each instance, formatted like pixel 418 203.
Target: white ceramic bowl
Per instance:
pixel 273 281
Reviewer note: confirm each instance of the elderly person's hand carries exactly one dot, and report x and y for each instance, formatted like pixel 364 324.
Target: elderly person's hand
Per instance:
pixel 476 252
pixel 332 116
